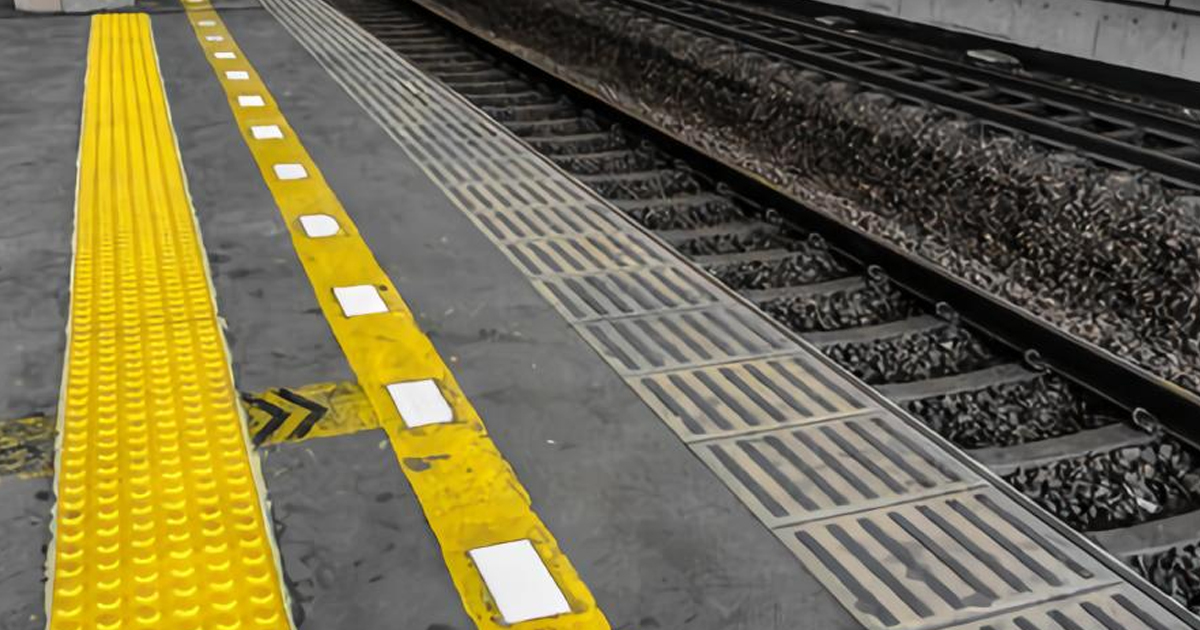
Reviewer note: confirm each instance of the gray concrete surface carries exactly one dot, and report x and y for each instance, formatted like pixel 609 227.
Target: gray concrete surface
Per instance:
pixel 40 105
pixel 1145 37
pixel 38 6
pixel 656 536
pixel 92 6
pixel 71 6
pixel 24 534
pixel 175 6
pixel 354 540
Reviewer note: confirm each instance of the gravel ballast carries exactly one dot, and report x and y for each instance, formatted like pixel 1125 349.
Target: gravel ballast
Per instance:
pixel 1013 413
pixel 1176 571
pixel 1116 488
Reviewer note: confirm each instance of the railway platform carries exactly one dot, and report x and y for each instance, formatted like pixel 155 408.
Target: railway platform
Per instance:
pixel 297 337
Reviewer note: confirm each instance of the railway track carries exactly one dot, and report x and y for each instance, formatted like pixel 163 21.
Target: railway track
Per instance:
pixel 1051 76
pixel 1119 134
pixel 1105 467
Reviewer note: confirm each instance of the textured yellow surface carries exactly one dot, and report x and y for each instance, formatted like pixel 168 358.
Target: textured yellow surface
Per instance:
pixel 158 522
pixel 469 493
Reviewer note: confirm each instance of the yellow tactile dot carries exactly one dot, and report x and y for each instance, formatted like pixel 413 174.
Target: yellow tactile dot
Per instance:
pixel 159 519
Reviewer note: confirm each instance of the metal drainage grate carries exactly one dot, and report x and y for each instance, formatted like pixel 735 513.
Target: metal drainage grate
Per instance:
pixel 931 562
pixel 625 293
pixel 504 196
pixel 1114 608
pixel 531 222
pixel 675 339
pixel 587 253
pixel 791 475
pixel 736 398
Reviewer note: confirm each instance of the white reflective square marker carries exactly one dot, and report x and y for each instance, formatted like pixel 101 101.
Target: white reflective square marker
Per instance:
pixel 420 403
pixel 237 75
pixel 251 101
pixel 206 23
pixel 287 172
pixel 266 132
pixel 519 582
pixel 358 300
pixel 224 54
pixel 319 225
pixel 213 38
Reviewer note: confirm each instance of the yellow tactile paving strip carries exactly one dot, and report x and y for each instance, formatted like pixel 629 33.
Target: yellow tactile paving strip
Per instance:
pixel 469 493
pixel 159 522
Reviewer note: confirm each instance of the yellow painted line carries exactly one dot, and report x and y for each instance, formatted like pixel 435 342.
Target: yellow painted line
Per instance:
pixel 159 522
pixel 469 493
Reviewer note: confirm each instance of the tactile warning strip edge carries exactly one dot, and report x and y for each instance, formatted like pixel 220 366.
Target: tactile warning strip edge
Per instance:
pixel 435 127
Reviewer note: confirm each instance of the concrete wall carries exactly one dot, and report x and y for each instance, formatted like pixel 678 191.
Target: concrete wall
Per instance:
pixel 70 6
pixel 1148 37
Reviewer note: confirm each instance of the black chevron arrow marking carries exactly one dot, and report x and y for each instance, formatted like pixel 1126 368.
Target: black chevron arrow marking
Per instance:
pixel 315 412
pixel 278 417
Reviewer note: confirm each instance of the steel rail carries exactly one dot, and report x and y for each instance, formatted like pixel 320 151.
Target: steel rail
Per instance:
pixel 1180 171
pixel 1036 89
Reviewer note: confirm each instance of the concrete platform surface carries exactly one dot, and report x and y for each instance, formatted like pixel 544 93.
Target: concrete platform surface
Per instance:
pixel 621 493
pixel 668 525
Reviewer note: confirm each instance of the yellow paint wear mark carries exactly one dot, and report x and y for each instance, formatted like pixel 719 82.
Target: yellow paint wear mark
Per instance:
pixel 159 522
pixel 303 413
pixel 27 447
pixel 469 493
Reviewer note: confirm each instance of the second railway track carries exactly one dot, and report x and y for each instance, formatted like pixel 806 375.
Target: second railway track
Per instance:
pixel 1122 135
pixel 1106 468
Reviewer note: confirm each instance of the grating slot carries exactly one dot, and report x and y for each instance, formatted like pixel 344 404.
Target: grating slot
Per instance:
pixel 626 293
pixel 798 474
pixel 733 399
pixel 588 253
pixel 444 141
pixel 680 339
pixel 534 222
pixel 932 562
pixel 460 171
pixel 1118 607
pixel 502 196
